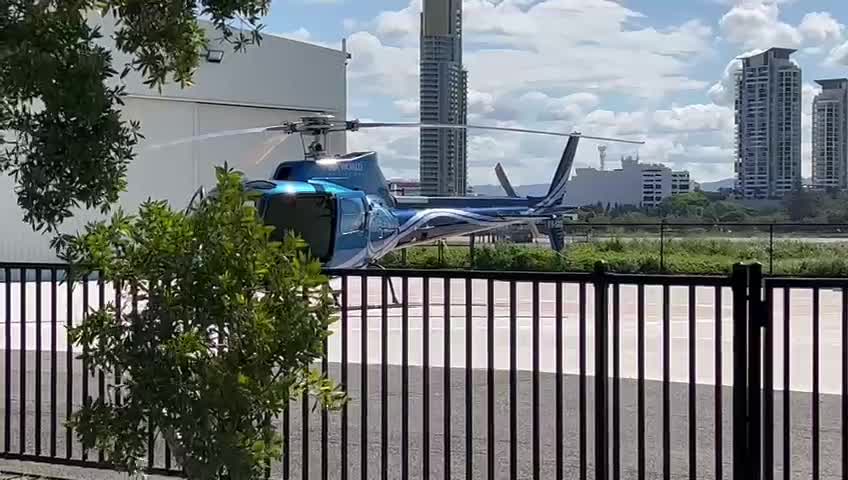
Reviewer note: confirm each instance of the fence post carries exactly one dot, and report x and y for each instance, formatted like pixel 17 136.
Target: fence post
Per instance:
pixel 471 245
pixel 441 247
pixel 771 249
pixel 755 322
pixel 662 246
pixel 741 429
pixel 601 286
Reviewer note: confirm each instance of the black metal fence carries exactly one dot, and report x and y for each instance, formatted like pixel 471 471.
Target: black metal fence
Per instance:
pixel 795 308
pixel 772 236
pixel 506 375
pixel 771 239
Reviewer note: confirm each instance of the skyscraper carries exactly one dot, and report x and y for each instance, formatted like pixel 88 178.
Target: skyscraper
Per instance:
pixel 768 125
pixel 443 99
pixel 830 135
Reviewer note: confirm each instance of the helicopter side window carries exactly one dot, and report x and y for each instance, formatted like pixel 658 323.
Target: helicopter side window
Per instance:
pixel 283 172
pixel 352 215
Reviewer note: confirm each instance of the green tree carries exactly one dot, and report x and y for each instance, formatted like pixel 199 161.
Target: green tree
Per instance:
pixel 228 326
pixel 725 212
pixel 684 205
pixel 835 207
pixel 66 144
pixel 802 205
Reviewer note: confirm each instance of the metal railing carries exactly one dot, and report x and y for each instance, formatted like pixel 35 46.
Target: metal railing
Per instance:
pixel 666 232
pixel 495 374
pixel 771 235
pixel 818 368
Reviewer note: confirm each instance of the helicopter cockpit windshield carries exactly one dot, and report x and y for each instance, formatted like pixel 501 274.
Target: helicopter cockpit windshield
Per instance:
pixel 311 216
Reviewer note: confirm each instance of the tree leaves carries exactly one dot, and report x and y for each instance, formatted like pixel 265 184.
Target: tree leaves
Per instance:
pixel 224 336
pixel 72 147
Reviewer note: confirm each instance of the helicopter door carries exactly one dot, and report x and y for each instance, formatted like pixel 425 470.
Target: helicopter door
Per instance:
pixel 382 229
pixel 311 216
pixel 352 235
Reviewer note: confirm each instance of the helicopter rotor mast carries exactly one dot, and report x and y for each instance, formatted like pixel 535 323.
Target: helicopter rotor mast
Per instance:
pixel 317 127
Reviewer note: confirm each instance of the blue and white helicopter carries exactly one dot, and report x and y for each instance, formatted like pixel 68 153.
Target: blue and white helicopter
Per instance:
pixel 342 207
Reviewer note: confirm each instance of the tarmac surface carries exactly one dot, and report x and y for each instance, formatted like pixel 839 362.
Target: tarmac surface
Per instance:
pixel 801 400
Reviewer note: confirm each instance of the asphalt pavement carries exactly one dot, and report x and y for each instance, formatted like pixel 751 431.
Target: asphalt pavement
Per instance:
pixel 704 423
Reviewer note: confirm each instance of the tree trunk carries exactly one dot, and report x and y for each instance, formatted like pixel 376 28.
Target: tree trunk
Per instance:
pixel 193 470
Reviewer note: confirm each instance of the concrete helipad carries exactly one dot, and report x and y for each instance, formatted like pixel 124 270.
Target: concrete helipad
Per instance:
pixel 705 320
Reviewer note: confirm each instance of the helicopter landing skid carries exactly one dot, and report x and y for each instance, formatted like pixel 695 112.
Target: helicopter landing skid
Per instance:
pixel 336 293
pixel 391 284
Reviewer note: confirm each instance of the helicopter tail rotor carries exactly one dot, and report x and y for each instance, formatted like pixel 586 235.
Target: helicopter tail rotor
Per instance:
pixel 556 191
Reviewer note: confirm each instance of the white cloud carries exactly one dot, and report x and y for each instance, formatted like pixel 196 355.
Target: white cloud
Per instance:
pixel 349 24
pixel 549 64
pixel 808 94
pixel 692 118
pixel 693 137
pixel 678 120
pixel 545 46
pixel 408 107
pixel 839 55
pixel 379 69
pixel 723 92
pixel 400 23
pixel 615 123
pixel 480 103
pixel 398 144
pixel 756 24
pixel 820 27
pixel 698 138
pixel 570 107
pixel 742 2
pixel 532 106
pixel 553 65
pixel 301 34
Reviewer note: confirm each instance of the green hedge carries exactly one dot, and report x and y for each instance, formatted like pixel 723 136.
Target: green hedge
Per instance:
pixel 637 256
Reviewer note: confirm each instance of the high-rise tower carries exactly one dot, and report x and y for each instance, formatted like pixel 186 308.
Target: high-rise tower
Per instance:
pixel 830 135
pixel 768 125
pixel 443 99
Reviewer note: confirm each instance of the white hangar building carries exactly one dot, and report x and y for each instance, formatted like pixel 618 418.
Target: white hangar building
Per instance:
pixel 279 80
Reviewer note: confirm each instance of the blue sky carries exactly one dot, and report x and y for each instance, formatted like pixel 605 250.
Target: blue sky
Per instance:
pixel 656 70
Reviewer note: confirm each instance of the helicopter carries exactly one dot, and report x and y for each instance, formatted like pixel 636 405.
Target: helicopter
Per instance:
pixel 342 207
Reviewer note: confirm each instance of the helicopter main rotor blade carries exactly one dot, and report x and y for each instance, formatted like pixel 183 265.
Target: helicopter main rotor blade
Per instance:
pixel 485 127
pixel 208 136
pixel 264 150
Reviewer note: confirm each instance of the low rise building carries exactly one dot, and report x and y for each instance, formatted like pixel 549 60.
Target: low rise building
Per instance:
pixel 405 188
pixel 681 183
pixel 635 183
